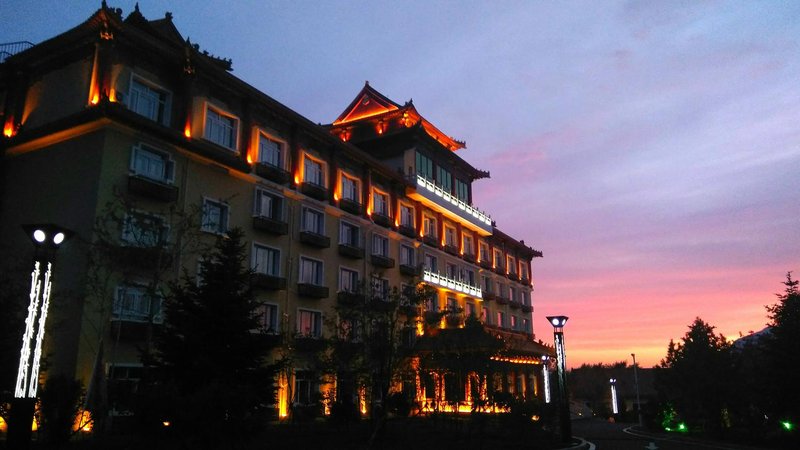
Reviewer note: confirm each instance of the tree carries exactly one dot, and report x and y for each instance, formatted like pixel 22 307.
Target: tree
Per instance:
pixel 695 377
pixel 782 349
pixel 210 372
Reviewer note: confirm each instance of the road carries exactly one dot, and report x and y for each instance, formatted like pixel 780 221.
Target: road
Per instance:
pixel 612 436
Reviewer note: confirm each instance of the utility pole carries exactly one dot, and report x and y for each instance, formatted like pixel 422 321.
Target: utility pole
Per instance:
pixel 636 383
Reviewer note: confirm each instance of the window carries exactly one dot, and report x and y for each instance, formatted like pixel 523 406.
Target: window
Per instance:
pixel 483 248
pixel 348 280
pixel 269 204
pixel 134 304
pixel 471 311
pixel 452 271
pixel 149 101
pixel 424 166
pixel 512 294
pixel 144 230
pixel 513 322
pixel 406 255
pixel 306 387
pixel 469 277
pixel 380 245
pixel 406 216
pixel 525 297
pixel 487 284
pixel 221 128
pixel 501 319
pixel 270 151
pixel 444 179
pixel 313 221
pixel 266 260
pixel 462 191
pixel 467 244
pixel 380 288
pixel 452 304
pixel 485 315
pixel 350 188
pixel 123 385
pixel 499 288
pixel 151 163
pixel 430 263
pixel 526 325
pixel 511 264
pixel 498 259
pixel 310 271
pixel 429 226
pixel 450 236
pixel 348 234
pixel 523 270
pixel 215 216
pixel 313 171
pixel 267 315
pixel 309 323
pixel 380 202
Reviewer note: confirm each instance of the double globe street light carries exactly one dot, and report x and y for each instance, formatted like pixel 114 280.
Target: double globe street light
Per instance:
pixel 558 323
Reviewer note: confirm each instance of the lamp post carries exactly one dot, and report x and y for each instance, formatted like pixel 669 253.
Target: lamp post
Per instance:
pixel 558 323
pixel 636 383
pixel 614 407
pixel 46 239
pixel 546 378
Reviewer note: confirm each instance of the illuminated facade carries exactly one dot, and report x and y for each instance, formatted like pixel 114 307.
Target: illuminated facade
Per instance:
pixel 125 107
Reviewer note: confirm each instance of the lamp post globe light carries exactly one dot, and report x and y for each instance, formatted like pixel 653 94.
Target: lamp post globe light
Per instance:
pixel 565 423
pixel 46 239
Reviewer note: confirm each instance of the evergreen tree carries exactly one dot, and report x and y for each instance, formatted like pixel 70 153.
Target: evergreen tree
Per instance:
pixel 210 363
pixel 782 350
pixel 695 377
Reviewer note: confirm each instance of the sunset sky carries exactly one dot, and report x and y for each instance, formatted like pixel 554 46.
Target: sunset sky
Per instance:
pixel 650 150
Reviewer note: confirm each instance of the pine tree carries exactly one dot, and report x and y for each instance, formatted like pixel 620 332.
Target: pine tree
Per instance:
pixel 782 350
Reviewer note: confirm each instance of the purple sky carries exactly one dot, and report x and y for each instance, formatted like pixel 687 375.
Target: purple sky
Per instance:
pixel 649 149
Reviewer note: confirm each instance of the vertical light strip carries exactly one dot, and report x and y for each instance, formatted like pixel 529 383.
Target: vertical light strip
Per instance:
pixel 25 353
pixel 37 354
pixel 546 376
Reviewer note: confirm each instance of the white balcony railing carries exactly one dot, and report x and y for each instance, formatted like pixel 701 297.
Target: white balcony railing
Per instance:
pixel 452 284
pixel 469 210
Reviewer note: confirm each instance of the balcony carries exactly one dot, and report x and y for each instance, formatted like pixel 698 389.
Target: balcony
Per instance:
pixel 449 283
pixel 452 249
pixel 141 257
pixel 312 290
pixel 314 239
pixel 314 191
pixel 512 276
pixel 351 251
pixel 349 298
pixel 268 282
pixel 486 264
pixel 515 304
pixel 272 173
pixel 351 206
pixel 411 271
pixel 434 196
pixel 501 300
pixel 468 257
pixel 270 225
pixel 382 261
pixel 407 231
pixel 527 309
pixel 153 189
pixel 489 297
pixel 382 219
pixel 431 240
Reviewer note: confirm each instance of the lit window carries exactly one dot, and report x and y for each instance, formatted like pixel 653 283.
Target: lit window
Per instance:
pixel 144 230
pixel 310 271
pixel 429 226
pixel 380 245
pixel 309 323
pixel 215 216
pixel 269 151
pixel 485 315
pixel 151 163
pixel 267 315
pixel 349 234
pixel 406 255
pixel 450 236
pixel 406 216
pixel 513 322
pixel 501 319
pixel 133 303
pixel 462 191
pixel 313 221
pixel 526 325
pixel 431 263
pixel 380 202
pixel 348 280
pixel 444 179
pixel 350 188
pixel 149 101
pixel 313 171
pixel 268 204
pixel 424 166
pixel 380 288
pixel 221 128
pixel 266 260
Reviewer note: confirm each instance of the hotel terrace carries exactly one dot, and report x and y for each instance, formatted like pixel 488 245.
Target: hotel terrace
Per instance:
pixel 122 107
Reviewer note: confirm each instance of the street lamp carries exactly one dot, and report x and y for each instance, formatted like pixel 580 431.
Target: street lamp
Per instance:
pixel 636 383
pixel 614 407
pixel 558 323
pixel 546 378
pixel 46 239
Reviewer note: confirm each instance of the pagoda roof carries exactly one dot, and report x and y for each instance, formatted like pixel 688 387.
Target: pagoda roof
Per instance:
pixel 369 104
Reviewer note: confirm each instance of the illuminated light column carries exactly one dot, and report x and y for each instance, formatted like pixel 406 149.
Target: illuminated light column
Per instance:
pixel 565 423
pixel 546 378
pixel 46 239
pixel 614 407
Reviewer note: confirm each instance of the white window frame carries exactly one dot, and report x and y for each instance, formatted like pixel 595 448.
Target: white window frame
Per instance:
pixel 411 259
pixel 138 160
pixel 379 287
pixel 258 204
pixel 210 121
pixel 316 326
pixel 162 110
pixel 304 220
pixel 350 187
pixel 276 264
pixel 429 226
pixel 353 277
pixel 141 310
pixel 450 236
pixel 318 275
pixel 323 182
pixel 407 215
pixel 380 202
pixel 380 245
pixel 225 211
pixel 261 313
pixel 263 158
pixel 432 258
pixel 136 238
pixel 467 243
pixel 345 233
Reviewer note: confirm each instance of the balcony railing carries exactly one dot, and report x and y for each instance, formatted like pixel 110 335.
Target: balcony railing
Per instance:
pixel 450 283
pixel 453 203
